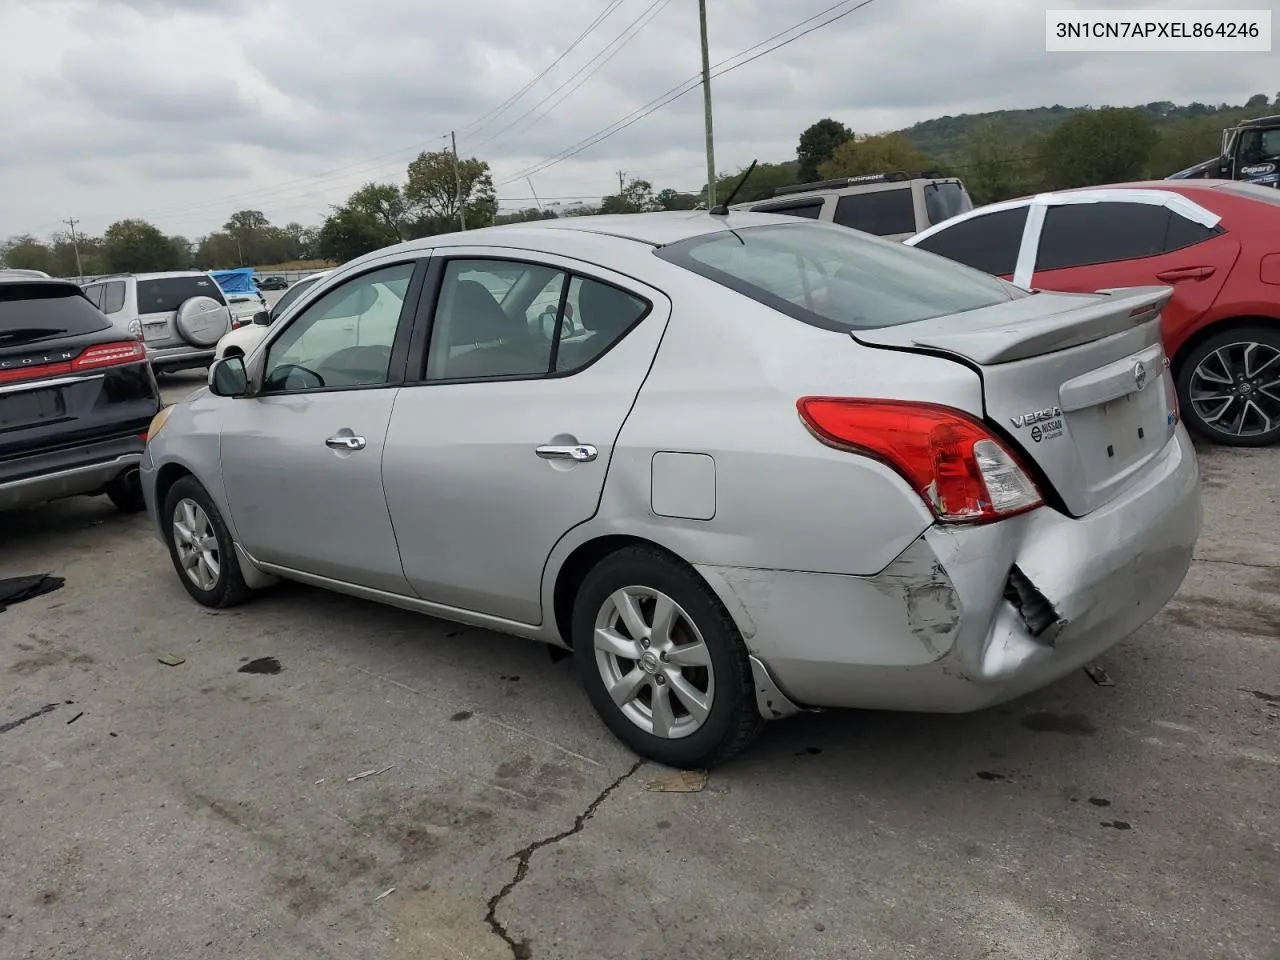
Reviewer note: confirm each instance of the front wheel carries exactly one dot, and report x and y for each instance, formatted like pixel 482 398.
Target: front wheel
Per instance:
pixel 200 546
pixel 662 661
pixel 1229 387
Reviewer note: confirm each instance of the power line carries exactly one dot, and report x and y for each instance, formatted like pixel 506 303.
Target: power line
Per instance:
pixel 649 12
pixel 678 91
pixel 369 164
pixel 477 125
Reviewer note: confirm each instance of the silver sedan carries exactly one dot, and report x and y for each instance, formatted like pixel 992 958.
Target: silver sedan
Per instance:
pixel 741 465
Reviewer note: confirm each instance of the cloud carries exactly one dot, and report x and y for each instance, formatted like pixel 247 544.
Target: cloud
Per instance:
pixel 185 110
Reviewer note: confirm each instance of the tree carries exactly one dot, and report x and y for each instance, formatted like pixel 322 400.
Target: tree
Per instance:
pixel 527 215
pixel 996 165
pixel 1092 147
pixel 636 197
pixel 1258 101
pixel 878 154
pixel 135 246
pixel 670 199
pixel 385 204
pixel 431 193
pixel 817 145
pixel 246 229
pixel 350 232
pixel 764 181
pixel 25 252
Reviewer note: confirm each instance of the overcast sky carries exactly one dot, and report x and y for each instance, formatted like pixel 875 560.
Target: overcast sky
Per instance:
pixel 182 111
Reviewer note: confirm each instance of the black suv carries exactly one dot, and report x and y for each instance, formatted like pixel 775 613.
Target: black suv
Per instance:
pixel 76 398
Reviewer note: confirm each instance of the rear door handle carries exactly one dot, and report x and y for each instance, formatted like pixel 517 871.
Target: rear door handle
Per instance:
pixel 577 452
pixel 1185 273
pixel 346 442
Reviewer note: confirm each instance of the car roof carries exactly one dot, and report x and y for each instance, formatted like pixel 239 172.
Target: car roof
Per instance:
pixel 653 229
pixel 45 281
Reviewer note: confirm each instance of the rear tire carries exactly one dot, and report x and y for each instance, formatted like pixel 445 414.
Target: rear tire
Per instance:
pixel 125 492
pixel 1229 387
pixel 201 547
pixel 681 692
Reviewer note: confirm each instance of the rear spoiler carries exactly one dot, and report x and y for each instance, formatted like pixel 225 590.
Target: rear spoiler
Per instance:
pixel 1019 330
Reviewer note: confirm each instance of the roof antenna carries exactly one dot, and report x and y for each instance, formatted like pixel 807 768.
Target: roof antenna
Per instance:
pixel 722 209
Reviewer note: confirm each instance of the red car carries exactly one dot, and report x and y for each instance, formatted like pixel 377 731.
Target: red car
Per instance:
pixel 1215 242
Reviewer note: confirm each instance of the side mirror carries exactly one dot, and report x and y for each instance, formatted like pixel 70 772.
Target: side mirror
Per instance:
pixel 228 377
pixel 262 318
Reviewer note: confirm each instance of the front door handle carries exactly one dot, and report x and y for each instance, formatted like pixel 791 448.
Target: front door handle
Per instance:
pixel 577 452
pixel 1185 273
pixel 346 442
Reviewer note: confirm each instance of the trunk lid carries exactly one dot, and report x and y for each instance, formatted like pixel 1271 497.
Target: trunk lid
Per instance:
pixel 1077 382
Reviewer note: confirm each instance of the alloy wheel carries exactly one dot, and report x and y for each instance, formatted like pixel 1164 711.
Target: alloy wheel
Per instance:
pixel 1235 390
pixel 197 544
pixel 654 662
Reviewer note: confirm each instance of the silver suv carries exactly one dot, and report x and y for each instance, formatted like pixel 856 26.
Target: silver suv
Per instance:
pixel 890 205
pixel 180 316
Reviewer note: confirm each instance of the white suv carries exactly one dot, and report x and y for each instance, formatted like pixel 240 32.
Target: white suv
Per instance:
pixel 890 205
pixel 180 316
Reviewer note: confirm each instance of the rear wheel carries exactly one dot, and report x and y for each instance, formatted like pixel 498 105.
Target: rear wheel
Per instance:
pixel 662 660
pixel 1229 387
pixel 200 546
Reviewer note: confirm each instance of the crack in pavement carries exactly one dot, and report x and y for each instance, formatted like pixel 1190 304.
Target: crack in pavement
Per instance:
pixel 520 948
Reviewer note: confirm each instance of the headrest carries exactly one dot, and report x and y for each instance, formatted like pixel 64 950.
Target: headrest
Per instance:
pixel 605 308
pixel 476 316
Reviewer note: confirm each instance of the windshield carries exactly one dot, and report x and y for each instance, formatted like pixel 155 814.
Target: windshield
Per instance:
pixel 836 278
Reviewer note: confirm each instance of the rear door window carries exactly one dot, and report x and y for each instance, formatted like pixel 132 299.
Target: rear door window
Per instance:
pixel 94 294
pixel 1186 233
pixel 166 294
pixel 882 212
pixel 1080 234
pixel 31 312
pixel 988 243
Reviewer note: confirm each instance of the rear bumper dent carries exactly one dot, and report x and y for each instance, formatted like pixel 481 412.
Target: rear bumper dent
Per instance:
pixel 967 617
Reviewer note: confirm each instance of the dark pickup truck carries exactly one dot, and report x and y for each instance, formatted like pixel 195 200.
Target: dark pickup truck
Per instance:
pixel 76 398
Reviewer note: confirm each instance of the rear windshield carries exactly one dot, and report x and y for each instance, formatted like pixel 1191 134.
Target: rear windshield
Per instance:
pixel 838 279
pixel 942 201
pixel 166 294
pixel 31 312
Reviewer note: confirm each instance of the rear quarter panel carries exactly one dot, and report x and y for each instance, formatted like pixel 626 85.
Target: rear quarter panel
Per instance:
pixel 725 383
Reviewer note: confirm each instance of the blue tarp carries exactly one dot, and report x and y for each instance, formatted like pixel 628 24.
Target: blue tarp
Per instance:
pixel 235 281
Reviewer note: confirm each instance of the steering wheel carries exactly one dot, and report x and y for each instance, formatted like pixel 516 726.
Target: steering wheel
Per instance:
pixel 281 375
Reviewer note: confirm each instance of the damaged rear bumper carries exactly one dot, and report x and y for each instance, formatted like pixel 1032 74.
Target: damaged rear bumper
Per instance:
pixel 969 616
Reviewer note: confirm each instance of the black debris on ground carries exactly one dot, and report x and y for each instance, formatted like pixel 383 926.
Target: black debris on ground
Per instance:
pixel 17 589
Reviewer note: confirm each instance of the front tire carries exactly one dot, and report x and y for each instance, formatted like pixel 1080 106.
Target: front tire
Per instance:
pixel 200 546
pixel 1229 387
pixel 662 661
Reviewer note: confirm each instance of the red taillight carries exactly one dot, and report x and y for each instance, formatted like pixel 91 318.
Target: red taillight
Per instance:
pixel 110 355
pixel 956 465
